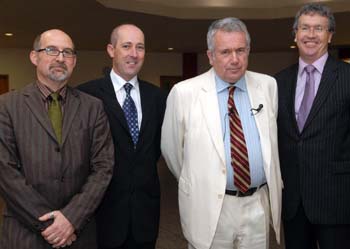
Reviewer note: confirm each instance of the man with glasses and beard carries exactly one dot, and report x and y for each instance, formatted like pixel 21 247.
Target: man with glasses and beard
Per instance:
pixel 56 154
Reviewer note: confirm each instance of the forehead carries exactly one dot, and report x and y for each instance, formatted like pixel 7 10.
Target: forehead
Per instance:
pixel 129 33
pixel 57 39
pixel 313 19
pixel 230 39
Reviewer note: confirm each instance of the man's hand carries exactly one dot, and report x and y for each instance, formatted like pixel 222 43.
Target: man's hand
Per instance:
pixel 61 232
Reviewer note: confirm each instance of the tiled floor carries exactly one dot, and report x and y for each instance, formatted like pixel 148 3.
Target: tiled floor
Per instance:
pixel 170 235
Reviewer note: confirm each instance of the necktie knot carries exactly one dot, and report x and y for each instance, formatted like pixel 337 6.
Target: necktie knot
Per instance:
pixel 231 90
pixel 55 96
pixel 128 87
pixel 310 69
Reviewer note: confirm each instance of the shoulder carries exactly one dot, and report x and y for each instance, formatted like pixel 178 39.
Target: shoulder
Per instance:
pixel 196 83
pixel 286 73
pixel 85 98
pixel 259 76
pixel 92 84
pixel 152 89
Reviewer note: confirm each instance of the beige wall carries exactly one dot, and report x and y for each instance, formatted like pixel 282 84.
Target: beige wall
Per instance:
pixel 15 63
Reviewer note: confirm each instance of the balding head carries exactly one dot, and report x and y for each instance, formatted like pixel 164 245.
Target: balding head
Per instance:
pixel 123 27
pixel 53 70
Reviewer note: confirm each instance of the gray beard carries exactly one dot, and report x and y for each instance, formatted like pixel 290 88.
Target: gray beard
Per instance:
pixel 59 78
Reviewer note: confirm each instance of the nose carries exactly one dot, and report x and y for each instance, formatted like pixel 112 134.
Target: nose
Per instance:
pixel 133 52
pixel 234 57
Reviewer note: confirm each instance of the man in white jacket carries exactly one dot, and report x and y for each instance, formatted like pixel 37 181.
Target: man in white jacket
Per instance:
pixel 219 139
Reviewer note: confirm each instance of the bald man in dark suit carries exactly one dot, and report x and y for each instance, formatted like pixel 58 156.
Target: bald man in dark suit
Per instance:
pixel 56 155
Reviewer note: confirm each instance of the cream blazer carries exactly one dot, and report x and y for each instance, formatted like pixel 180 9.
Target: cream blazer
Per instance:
pixel 192 145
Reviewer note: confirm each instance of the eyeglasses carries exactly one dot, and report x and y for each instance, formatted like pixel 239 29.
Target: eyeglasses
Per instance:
pixel 53 51
pixel 318 29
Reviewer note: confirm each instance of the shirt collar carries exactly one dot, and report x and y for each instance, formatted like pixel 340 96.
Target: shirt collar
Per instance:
pixel 222 85
pixel 318 64
pixel 119 82
pixel 46 91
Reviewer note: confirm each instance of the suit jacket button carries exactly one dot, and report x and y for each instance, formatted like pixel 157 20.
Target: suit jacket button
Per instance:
pixel 57 149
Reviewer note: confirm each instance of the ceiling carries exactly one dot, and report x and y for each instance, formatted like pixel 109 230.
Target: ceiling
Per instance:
pixel 181 24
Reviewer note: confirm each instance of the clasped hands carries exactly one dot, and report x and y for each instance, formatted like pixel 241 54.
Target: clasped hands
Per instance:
pixel 61 232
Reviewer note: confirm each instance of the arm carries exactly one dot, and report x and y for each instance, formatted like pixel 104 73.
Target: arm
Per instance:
pixel 83 205
pixel 173 131
pixel 25 203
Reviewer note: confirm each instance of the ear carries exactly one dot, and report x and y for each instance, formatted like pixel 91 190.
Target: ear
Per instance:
pixel 110 50
pixel 33 56
pixel 210 56
pixel 330 38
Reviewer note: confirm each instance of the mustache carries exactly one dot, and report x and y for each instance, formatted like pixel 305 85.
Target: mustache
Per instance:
pixel 61 65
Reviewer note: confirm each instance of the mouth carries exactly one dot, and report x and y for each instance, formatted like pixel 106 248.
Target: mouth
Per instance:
pixel 58 67
pixel 310 43
pixel 132 63
pixel 233 70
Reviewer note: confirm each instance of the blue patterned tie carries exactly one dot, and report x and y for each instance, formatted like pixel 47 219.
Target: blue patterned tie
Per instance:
pixel 130 112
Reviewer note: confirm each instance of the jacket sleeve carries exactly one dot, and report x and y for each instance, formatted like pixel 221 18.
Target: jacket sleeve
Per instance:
pixel 25 203
pixel 83 205
pixel 173 132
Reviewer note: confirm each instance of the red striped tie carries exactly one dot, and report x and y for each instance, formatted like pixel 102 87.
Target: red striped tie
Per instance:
pixel 239 153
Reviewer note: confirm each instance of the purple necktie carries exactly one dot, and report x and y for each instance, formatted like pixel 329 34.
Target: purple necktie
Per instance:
pixel 308 98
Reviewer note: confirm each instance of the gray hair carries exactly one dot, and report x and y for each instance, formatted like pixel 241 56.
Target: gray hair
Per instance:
pixel 228 24
pixel 37 44
pixel 315 8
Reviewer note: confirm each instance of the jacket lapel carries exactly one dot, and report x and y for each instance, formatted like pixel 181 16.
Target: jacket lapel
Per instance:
pixel 111 102
pixel 146 106
pixel 33 100
pixel 257 97
pixel 209 102
pixel 327 80
pixel 72 106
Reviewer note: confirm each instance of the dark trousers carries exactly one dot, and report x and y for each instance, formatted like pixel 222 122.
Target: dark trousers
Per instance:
pixel 130 243
pixel 299 233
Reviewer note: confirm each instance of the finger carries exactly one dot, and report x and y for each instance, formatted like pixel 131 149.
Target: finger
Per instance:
pixel 47 216
pixel 73 237
pixel 49 231
pixel 60 243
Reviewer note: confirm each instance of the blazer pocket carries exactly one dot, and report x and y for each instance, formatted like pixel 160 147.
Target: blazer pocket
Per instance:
pixel 184 186
pixel 341 167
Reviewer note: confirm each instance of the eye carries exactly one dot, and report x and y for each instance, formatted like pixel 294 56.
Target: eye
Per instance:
pixel 319 28
pixel 52 49
pixel 240 51
pixel 126 46
pixel 67 52
pixel 225 52
pixel 304 28
pixel 140 47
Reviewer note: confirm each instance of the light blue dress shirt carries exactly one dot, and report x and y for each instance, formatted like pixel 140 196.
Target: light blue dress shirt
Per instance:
pixel 250 130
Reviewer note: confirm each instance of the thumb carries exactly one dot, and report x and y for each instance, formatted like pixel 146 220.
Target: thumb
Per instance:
pixel 47 216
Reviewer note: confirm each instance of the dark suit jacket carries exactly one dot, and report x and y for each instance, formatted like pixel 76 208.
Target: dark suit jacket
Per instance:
pixel 37 175
pixel 315 163
pixel 132 201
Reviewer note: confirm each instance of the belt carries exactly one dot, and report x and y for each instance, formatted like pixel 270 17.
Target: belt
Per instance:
pixel 238 193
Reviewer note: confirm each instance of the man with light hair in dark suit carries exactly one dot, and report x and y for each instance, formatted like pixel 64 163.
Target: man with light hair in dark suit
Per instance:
pixel 56 154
